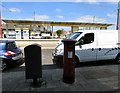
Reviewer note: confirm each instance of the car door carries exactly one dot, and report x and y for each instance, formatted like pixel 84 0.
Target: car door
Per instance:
pixel 86 48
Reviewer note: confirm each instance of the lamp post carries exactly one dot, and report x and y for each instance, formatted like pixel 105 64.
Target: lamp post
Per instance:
pixel 93 19
pixel 1 20
pixel 118 17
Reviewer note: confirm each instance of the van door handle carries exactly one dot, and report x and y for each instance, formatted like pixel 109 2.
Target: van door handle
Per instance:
pixel 92 49
pixel 99 49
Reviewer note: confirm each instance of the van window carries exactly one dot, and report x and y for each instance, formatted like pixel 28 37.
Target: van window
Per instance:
pixel 86 39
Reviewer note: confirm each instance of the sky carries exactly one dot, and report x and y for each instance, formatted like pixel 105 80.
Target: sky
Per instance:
pixel 62 11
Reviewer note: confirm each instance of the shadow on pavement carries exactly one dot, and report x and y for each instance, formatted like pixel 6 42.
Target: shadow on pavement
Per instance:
pixel 18 67
pixel 97 63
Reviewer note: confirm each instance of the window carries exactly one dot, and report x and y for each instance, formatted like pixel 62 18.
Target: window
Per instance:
pixel 11 45
pixel 74 35
pixel 2 46
pixel 86 39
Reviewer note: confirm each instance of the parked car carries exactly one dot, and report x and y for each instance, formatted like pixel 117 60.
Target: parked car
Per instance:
pixel 92 45
pixel 11 36
pixel 9 53
pixel 36 36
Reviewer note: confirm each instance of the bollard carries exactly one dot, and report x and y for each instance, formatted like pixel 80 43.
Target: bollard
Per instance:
pixel 33 62
pixel 69 61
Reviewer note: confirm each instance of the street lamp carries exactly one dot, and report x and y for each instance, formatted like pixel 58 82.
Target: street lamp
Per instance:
pixel 0 19
pixel 93 19
pixel 118 17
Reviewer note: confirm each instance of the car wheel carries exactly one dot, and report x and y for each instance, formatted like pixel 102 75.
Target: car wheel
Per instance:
pixel 4 65
pixel 118 59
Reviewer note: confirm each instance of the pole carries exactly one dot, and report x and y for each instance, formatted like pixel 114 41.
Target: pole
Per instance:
pixel 1 21
pixel 93 19
pixel 118 17
pixel 34 15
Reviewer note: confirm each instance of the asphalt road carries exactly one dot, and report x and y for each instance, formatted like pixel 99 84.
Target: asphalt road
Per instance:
pixel 47 56
pixel 46 59
pixel 48 63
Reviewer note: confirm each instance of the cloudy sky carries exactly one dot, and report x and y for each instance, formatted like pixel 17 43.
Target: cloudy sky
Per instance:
pixel 67 10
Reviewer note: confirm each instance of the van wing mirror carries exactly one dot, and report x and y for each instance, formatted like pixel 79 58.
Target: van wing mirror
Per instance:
pixel 80 46
pixel 80 42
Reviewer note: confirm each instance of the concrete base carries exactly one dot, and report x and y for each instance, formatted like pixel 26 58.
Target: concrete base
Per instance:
pixel 68 79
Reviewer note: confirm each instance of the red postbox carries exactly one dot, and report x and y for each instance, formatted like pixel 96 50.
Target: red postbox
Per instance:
pixel 69 61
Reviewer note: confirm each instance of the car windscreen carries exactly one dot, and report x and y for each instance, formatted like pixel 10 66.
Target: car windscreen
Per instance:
pixel 74 35
pixel 2 46
pixel 11 45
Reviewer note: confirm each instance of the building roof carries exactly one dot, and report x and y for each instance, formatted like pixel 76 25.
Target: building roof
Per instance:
pixel 52 23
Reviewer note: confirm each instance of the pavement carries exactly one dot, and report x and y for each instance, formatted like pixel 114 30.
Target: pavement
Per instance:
pixel 87 78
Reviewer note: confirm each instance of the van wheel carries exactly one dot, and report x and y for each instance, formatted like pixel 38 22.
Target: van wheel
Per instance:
pixel 76 61
pixel 118 59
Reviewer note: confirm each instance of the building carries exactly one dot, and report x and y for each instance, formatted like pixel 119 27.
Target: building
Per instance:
pixel 24 29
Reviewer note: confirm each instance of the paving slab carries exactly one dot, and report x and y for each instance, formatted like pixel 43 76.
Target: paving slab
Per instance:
pixel 86 79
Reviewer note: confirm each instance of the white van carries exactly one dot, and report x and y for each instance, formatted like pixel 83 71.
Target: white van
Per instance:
pixel 92 45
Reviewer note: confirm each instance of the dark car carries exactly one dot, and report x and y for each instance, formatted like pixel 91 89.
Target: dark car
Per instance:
pixel 9 53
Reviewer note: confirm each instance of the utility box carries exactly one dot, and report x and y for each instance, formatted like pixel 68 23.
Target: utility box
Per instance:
pixel 69 61
pixel 33 62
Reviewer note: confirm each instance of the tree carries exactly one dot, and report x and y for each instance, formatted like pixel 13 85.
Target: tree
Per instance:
pixel 59 32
